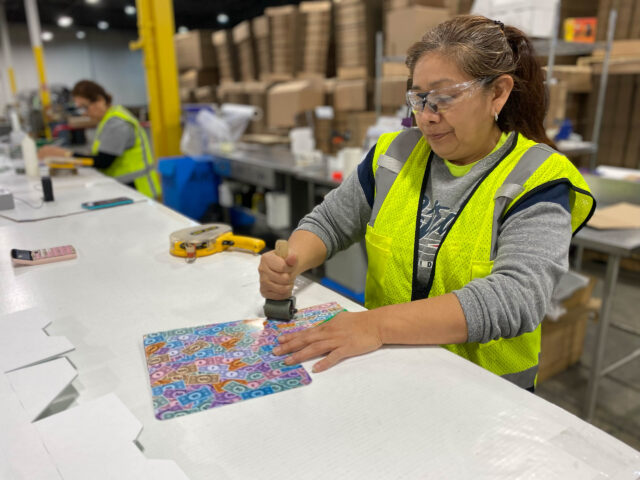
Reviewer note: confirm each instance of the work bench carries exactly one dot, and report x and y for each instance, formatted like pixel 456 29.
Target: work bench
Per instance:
pixel 400 412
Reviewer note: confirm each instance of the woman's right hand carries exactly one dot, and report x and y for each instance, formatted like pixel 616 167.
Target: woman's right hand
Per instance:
pixel 277 275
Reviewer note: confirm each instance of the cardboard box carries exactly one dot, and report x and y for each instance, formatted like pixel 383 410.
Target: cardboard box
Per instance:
pixel 256 95
pixel 393 91
pixel 283 40
pixel 226 55
pixel 195 78
pixel 187 95
pixel 557 104
pixel 352 126
pixel 356 23
pixel 194 50
pixel 247 61
pixel 260 26
pixel 563 339
pixel 232 93
pixel 406 26
pixel 206 94
pixel 241 32
pixel 576 77
pixel 397 4
pixel 314 38
pixel 350 95
pixel 286 100
pixel 394 69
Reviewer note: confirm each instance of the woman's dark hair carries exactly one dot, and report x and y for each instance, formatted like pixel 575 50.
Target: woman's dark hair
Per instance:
pixel 483 48
pixel 91 91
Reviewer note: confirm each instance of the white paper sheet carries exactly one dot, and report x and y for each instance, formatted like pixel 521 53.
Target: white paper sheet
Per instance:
pixel 23 341
pixel 39 385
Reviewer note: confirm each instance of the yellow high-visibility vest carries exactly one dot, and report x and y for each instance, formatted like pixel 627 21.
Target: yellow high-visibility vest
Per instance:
pixel 136 163
pixel 400 163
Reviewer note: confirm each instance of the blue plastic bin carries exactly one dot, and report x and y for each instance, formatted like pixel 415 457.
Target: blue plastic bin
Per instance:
pixel 189 184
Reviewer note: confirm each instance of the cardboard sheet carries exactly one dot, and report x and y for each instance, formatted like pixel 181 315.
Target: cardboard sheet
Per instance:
pixel 197 368
pixel 620 215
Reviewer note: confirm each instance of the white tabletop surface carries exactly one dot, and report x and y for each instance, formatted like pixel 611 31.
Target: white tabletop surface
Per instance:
pixel 69 193
pixel 401 412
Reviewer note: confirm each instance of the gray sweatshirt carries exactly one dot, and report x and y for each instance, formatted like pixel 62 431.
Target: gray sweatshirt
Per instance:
pixel 533 242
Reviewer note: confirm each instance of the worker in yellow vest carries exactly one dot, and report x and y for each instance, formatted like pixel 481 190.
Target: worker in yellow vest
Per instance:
pixel 120 148
pixel 467 218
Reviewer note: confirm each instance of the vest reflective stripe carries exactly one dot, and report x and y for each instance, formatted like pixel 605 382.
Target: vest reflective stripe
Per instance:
pixel 513 186
pixel 135 164
pixel 465 250
pixel 390 163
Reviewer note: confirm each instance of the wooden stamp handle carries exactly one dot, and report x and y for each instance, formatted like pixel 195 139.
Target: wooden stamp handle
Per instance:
pixel 282 248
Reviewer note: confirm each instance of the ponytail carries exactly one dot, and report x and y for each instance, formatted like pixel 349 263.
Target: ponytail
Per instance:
pixel 528 103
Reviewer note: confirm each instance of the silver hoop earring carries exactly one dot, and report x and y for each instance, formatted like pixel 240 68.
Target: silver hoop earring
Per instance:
pixel 495 116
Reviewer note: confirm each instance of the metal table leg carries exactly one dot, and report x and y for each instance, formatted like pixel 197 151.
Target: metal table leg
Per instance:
pixel 610 279
pixel 577 262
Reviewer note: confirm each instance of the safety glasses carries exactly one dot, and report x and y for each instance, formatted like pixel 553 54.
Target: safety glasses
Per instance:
pixel 442 99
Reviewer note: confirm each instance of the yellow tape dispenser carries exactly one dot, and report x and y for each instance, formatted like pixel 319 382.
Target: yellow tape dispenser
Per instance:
pixel 208 239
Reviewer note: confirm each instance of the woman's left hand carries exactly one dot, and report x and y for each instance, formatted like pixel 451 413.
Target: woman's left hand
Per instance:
pixel 346 335
pixel 52 151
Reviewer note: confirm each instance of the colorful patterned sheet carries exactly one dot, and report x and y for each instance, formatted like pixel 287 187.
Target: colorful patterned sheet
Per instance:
pixel 197 368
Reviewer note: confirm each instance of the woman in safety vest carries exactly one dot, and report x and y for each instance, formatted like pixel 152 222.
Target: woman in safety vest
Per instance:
pixel 467 218
pixel 120 148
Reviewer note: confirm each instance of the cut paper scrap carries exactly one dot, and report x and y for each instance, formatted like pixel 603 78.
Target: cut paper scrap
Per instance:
pixel 95 441
pixel 198 368
pixel 24 342
pixel 22 453
pixel 39 385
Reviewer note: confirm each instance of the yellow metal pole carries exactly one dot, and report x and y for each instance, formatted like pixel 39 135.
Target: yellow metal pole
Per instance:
pixel 6 53
pixel 155 30
pixel 33 22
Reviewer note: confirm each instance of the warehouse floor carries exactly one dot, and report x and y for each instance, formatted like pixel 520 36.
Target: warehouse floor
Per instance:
pixel 618 407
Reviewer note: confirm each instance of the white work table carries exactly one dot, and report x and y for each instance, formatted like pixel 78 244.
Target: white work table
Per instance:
pixel 400 412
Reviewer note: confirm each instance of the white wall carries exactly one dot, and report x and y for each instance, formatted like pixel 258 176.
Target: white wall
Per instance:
pixel 102 56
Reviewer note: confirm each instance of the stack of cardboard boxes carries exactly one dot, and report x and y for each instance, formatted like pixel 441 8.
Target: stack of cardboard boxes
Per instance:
pixel 315 36
pixel 225 54
pixel 356 23
pixel 563 338
pixel 260 27
pixel 405 22
pixel 244 47
pixel 627 23
pixel 286 100
pixel 256 95
pixel 196 63
pixel 283 23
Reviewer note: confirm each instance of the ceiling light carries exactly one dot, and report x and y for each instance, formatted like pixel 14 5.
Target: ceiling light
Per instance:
pixel 80 34
pixel 222 18
pixel 102 25
pixel 130 10
pixel 65 21
pixel 92 2
pixel 46 36
pixel 182 29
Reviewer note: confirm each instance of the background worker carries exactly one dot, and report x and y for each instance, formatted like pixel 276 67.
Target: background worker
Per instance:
pixel 440 269
pixel 120 148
